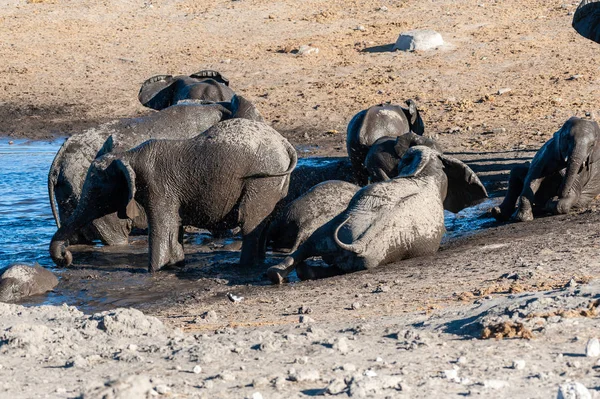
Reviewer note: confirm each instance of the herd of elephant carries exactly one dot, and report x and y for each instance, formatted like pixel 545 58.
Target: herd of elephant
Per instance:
pixel 207 159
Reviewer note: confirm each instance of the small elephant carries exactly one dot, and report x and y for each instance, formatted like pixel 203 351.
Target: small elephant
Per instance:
pixel 384 156
pixel 375 122
pixel 68 170
pixel 389 221
pixel 299 219
pixel 20 281
pixel 162 91
pixel 232 175
pixel 564 173
pixel 586 20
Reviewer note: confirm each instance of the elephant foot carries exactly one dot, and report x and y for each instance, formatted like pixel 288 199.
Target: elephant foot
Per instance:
pixel 278 273
pixel 524 216
pixel 306 272
pixel 499 215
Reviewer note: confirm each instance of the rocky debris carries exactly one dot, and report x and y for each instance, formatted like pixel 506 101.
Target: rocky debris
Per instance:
pixel 197 369
pixel 573 390
pixel 304 310
pixel 451 374
pixel 592 349
pixel 305 50
pixel 20 281
pixel 207 317
pixel 355 306
pixel 128 323
pixel 504 91
pixel 336 386
pixel 342 345
pixel 234 298
pixel 518 364
pixel 419 40
pixel 495 384
pixel 131 387
pixel 306 319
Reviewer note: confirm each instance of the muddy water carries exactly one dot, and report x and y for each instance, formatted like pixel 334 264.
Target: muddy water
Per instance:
pixel 106 277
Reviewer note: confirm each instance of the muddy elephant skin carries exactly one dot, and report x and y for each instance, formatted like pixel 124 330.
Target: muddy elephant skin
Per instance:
pixel 389 221
pixel 586 20
pixel 20 281
pixel 233 175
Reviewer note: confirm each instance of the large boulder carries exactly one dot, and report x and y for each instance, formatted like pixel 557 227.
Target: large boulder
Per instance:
pixel 419 40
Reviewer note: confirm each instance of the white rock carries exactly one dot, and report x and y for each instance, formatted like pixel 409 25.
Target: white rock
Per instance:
pixel 518 364
pixel 257 395
pixel 495 384
pixel 573 390
pixel 503 91
pixel 342 345
pixel 162 389
pixel 307 50
pixel 451 374
pixel 461 360
pixel 592 349
pixel 197 369
pixel 420 40
pixel 370 373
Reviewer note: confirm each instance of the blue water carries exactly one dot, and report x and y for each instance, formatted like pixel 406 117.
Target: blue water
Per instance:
pixel 26 222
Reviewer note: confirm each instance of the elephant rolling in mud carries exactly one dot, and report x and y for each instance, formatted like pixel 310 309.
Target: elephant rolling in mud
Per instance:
pixel 586 20
pixel 564 173
pixel 375 122
pixel 71 163
pixel 384 156
pixel 162 91
pixel 389 221
pixel 233 175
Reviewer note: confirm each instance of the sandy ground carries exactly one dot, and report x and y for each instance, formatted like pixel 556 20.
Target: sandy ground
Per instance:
pixel 410 329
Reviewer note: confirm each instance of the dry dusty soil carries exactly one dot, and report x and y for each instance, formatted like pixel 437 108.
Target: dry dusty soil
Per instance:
pixel 411 329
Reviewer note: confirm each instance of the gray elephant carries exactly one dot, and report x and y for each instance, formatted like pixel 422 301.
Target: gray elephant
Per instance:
pixel 375 122
pixel 564 173
pixel 20 281
pixel 389 221
pixel 68 170
pixel 233 175
pixel 384 156
pixel 299 219
pixel 162 91
pixel 586 20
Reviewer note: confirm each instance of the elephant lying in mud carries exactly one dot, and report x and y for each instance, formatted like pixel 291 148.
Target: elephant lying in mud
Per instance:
pixel 232 175
pixel 389 221
pixel 384 156
pixel 564 173
pixel 71 163
pixel 20 281
pixel 375 122
pixel 299 219
pixel 162 91
pixel 586 20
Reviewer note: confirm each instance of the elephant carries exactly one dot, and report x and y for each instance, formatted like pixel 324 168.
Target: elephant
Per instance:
pixel 564 173
pixel 299 219
pixel 384 156
pixel 586 20
pixel 162 91
pixel 391 220
pixel 70 165
pixel 232 175
pixel 378 121
pixel 19 281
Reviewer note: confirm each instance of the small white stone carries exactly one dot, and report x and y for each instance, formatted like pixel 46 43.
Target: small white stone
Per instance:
pixel 419 40
pixel 461 360
pixel 379 359
pixel 495 384
pixel 132 347
pixel 504 91
pixel 197 369
pixel 451 374
pixel 307 50
pixel 573 390
pixel 592 349
pixel 162 389
pixel 518 364
pixel 360 28
pixel 257 395
pixel 370 373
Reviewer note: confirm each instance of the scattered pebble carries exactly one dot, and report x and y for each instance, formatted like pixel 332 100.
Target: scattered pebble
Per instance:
pixel 304 310
pixel 495 384
pixel 419 40
pixel 336 386
pixel 370 373
pixel 451 375
pixel 197 369
pixel 342 345
pixel 349 367
pixel 310 375
pixel 360 28
pixel 574 77
pixel 461 360
pixel 256 395
pixel 504 91
pixel 573 390
pixel 382 9
pixel 355 306
pixel 518 364
pixel 306 319
pixel 592 349
pixel 307 50
pixel 162 389
pixel 233 298
pixel 381 288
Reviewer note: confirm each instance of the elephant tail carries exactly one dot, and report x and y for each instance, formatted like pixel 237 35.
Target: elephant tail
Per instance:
pixel 293 162
pixel 52 180
pixel 347 247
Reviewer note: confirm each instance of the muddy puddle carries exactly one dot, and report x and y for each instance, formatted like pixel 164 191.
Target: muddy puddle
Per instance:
pixel 107 277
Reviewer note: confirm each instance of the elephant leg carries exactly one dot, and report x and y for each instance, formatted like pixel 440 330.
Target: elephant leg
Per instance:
pixel 515 185
pixel 257 202
pixel 165 239
pixel 278 273
pixel 306 272
pixel 532 183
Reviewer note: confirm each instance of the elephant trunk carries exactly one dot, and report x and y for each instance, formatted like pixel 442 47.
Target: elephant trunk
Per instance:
pixel 573 166
pixel 58 248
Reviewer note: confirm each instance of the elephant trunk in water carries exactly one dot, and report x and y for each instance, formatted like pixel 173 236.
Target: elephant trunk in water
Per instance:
pixel 58 247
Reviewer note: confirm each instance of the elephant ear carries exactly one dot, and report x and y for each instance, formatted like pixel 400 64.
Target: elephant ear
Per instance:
pixel 586 20
pixel 209 74
pixel 412 163
pixel 464 187
pixel 416 123
pixel 107 147
pixel 126 173
pixel 157 92
pixel 242 108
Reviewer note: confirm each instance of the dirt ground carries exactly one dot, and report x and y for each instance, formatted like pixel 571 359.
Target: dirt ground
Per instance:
pixel 410 329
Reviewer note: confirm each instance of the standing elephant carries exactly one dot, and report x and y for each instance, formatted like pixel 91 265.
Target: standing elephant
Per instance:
pixel 162 91
pixel 299 219
pixel 564 173
pixel 232 175
pixel 586 20
pixel 389 221
pixel 384 156
pixel 375 122
pixel 68 170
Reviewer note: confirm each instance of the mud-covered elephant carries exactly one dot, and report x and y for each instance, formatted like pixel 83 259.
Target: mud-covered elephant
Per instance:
pixel 586 20
pixel 375 122
pixel 389 221
pixel 162 91
pixel 233 175
pixel 384 155
pixel 299 219
pixel 68 170
pixel 564 173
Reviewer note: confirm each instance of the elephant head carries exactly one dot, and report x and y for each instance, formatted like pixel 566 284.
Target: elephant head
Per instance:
pixel 414 117
pixel 109 187
pixel 162 91
pixel 586 20
pixel 459 185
